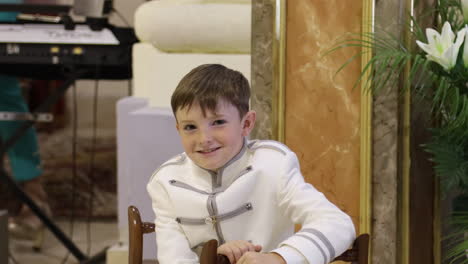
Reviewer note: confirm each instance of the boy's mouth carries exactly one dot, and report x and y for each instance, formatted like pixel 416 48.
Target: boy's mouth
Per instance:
pixel 208 151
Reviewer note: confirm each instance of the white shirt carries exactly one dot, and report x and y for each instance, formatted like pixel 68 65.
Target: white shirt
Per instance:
pixel 258 196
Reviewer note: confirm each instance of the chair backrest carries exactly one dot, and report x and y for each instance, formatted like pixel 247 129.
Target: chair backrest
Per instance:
pixel 358 254
pixel 136 229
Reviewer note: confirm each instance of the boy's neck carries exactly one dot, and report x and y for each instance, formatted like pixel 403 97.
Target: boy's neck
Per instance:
pixel 234 158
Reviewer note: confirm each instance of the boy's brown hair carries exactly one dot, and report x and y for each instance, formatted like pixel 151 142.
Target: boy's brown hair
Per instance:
pixel 208 84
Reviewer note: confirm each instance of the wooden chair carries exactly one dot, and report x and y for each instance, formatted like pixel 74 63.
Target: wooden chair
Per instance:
pixel 136 230
pixel 358 254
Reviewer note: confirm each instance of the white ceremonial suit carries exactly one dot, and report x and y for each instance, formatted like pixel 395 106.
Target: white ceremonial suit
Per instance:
pixel 258 196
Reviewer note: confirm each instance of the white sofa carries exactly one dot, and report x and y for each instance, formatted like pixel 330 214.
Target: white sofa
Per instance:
pixel 175 36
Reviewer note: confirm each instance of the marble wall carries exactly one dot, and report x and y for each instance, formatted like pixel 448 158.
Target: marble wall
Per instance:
pixel 322 110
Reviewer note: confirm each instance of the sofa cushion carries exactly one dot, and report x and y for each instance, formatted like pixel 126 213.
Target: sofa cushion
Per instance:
pixel 156 74
pixel 200 26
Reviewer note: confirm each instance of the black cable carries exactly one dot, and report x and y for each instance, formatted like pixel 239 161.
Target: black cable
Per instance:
pixel 92 159
pixel 74 167
pixel 121 17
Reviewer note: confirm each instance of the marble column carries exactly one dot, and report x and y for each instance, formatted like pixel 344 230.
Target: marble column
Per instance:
pixel 385 145
pixel 262 100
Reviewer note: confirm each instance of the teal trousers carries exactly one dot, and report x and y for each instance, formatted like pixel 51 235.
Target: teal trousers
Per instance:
pixel 24 154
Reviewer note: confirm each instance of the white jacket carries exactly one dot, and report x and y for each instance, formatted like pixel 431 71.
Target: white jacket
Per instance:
pixel 258 196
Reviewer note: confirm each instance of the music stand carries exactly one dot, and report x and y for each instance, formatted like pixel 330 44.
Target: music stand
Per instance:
pixel 4 146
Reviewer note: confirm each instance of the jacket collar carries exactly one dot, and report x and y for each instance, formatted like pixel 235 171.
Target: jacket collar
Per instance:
pixel 226 174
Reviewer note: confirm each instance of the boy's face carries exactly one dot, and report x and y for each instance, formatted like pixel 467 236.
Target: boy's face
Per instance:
pixel 213 140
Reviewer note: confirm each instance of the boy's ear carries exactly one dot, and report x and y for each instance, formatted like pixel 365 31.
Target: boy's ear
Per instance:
pixel 248 122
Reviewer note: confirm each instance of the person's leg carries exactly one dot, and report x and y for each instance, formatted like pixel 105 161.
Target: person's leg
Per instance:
pixel 24 154
pixel 24 160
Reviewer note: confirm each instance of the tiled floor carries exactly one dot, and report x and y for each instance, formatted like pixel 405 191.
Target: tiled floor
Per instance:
pixel 102 234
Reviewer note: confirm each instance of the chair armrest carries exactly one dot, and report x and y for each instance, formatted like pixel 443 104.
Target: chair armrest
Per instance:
pixel 147 227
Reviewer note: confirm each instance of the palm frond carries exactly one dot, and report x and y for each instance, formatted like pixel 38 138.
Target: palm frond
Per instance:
pixel 458 242
pixel 450 10
pixel 450 159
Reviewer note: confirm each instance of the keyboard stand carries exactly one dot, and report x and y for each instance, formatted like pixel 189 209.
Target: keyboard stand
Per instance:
pixel 17 190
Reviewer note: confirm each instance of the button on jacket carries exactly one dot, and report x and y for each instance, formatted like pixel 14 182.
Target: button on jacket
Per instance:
pixel 258 196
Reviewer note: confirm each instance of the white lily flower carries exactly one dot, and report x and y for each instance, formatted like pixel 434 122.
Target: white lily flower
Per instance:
pixel 464 4
pixel 465 48
pixel 441 47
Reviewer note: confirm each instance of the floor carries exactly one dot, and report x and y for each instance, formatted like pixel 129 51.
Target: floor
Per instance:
pixel 102 234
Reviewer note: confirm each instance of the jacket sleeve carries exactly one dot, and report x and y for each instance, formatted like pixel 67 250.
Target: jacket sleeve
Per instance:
pixel 172 244
pixel 326 231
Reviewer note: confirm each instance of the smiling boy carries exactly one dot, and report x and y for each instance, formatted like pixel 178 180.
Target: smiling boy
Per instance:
pixel 212 139
pixel 246 194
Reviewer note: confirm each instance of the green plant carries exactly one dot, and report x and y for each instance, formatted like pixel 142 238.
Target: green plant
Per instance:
pixel 435 64
pixel 459 239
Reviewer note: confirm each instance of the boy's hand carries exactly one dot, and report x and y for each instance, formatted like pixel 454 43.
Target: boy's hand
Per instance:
pixel 235 249
pixel 261 258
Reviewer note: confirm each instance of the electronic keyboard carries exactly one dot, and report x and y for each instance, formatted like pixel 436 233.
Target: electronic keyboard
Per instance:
pixel 50 52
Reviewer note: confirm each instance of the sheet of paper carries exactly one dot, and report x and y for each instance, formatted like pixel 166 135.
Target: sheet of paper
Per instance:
pixel 56 34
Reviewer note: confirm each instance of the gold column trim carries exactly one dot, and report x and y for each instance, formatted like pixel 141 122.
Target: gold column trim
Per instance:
pixel 279 70
pixel 405 181
pixel 365 192
pixel 365 177
pixel 404 221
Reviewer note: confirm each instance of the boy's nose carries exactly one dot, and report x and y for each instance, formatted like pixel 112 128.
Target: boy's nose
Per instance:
pixel 205 137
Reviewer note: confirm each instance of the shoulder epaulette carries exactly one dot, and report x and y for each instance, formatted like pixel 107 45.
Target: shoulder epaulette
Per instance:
pixel 176 160
pixel 270 144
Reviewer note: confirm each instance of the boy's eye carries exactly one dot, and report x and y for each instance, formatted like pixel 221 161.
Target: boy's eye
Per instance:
pixel 189 127
pixel 219 122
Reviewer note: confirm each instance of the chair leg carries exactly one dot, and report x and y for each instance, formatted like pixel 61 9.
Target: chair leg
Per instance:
pixel 135 236
pixel 209 252
pixel 363 245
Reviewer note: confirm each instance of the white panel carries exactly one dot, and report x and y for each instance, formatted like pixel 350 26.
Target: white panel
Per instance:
pixel 156 74
pixel 148 139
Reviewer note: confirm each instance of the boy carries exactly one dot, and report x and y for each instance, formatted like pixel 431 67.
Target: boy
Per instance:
pixel 246 194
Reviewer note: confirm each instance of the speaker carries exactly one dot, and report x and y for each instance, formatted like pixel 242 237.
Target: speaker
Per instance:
pixel 92 8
